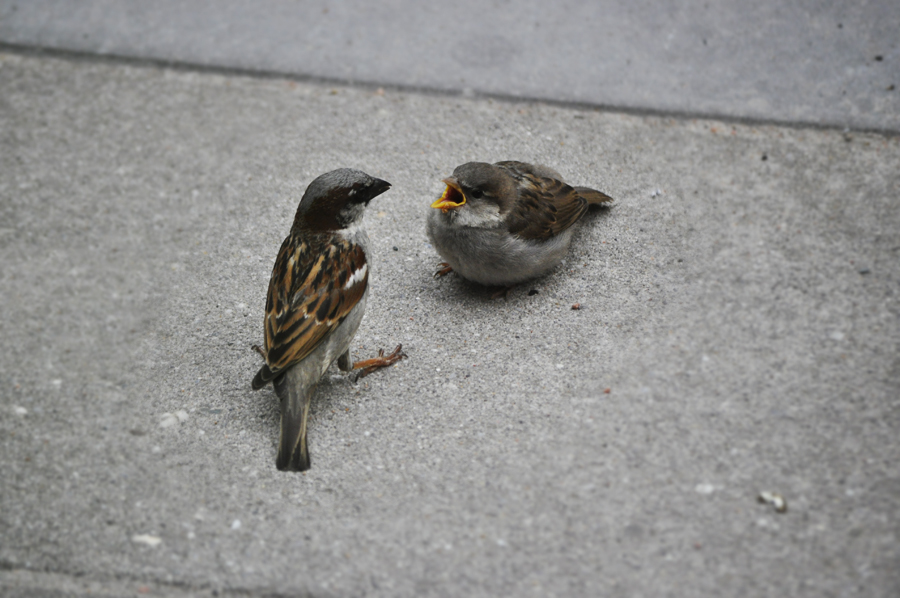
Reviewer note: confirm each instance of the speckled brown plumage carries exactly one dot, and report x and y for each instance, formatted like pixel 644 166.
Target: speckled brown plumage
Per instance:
pixel 316 300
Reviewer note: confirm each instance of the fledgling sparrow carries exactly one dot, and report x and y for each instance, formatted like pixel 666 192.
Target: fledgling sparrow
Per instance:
pixel 505 223
pixel 316 299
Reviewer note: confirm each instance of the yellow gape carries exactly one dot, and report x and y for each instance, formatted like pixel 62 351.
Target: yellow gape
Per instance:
pixel 452 198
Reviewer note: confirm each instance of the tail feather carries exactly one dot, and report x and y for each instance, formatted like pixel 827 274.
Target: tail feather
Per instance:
pixel 293 452
pixel 260 380
pixel 593 196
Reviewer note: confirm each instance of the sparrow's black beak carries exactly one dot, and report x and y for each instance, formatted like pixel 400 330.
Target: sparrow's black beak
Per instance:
pixel 379 187
pixel 366 192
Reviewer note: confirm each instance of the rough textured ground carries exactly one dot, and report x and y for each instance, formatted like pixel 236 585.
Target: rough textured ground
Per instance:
pixel 818 62
pixel 738 333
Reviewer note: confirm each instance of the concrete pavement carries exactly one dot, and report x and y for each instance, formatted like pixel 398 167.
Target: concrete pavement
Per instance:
pixel 811 62
pixel 738 303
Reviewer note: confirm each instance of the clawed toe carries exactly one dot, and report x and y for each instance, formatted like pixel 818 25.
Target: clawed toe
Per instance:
pixel 501 294
pixel 368 366
pixel 444 270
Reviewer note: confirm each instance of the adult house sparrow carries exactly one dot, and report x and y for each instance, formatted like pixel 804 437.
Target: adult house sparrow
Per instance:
pixel 502 224
pixel 317 296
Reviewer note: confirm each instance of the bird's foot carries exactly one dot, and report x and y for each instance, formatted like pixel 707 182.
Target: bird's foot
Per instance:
pixel 367 366
pixel 501 294
pixel 444 270
pixel 259 350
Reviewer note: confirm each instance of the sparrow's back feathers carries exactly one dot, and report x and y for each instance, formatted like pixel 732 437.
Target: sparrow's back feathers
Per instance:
pixel 300 309
pixel 545 206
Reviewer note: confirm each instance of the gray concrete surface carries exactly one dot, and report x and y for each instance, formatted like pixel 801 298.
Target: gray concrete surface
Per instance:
pixel 820 63
pixel 740 303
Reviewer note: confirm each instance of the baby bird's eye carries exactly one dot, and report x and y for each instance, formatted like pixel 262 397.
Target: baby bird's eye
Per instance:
pixel 477 193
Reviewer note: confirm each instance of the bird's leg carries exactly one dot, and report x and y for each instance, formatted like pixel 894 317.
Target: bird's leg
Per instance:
pixel 367 366
pixel 344 361
pixel 502 293
pixel 260 350
pixel 444 271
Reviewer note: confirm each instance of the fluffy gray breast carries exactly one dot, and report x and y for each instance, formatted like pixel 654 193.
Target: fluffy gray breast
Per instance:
pixel 492 256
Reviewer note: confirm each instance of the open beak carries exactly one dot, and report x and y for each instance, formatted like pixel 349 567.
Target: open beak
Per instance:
pixel 452 198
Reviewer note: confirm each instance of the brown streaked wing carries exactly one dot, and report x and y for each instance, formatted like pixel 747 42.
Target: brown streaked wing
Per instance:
pixel 545 206
pixel 520 169
pixel 303 309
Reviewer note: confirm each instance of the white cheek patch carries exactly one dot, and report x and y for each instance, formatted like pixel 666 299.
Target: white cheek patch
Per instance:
pixel 352 215
pixel 352 231
pixel 357 276
pixel 480 215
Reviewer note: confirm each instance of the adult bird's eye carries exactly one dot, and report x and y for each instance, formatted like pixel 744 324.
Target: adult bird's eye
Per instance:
pixel 477 193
